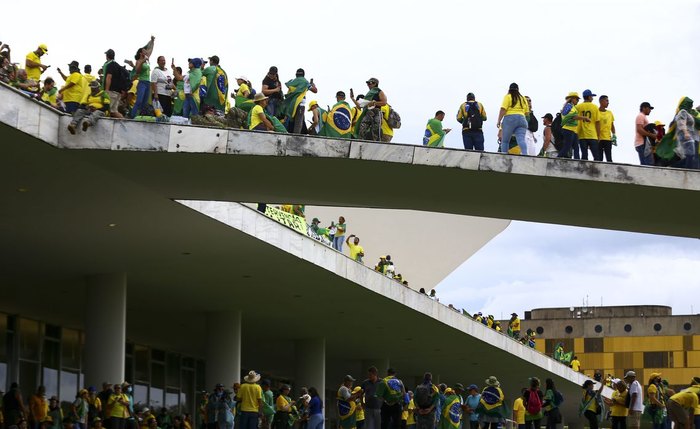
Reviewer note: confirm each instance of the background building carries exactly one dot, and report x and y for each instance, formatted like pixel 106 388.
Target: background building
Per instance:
pixel 613 340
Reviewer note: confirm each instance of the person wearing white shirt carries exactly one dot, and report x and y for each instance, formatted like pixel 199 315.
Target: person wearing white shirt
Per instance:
pixel 636 400
pixel 161 87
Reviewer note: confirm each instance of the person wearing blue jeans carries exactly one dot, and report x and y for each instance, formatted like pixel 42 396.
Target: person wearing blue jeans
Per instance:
pixel 473 140
pixel 569 126
pixel 585 145
pixel 511 119
pixel 339 237
pixel 143 93
pixel 472 115
pixel 315 410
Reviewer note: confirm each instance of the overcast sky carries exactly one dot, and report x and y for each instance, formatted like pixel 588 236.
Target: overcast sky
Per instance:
pixel 427 56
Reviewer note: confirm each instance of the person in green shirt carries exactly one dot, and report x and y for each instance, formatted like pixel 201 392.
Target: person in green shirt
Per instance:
pixel 434 133
pixel 268 405
pixel 217 86
pixel 392 392
pixel 142 72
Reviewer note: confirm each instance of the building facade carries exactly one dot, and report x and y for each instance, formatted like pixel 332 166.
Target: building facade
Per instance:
pixel 616 339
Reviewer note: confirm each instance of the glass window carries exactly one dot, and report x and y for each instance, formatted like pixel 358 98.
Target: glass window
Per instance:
pixel 172 397
pixel 28 377
pixel 156 399
pixel 70 348
pixel 49 378
pixel 158 375
pixel 69 387
pixel 29 339
pixel 200 375
pixel 141 372
pixel 158 355
pixel 140 396
pixel 3 377
pixel 593 345
pixel 3 342
pixel 52 331
pixel 50 354
pixel 173 369
pixel 187 389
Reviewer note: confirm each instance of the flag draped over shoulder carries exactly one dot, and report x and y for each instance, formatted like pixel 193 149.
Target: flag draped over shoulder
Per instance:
pixel 218 89
pixel 667 148
pixel 338 121
pixel 296 93
pixel 491 402
pixel 244 103
pixel 434 135
pixel 451 413
pixel 277 126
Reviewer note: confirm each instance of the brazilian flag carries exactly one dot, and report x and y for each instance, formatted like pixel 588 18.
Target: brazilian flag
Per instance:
pixel 667 147
pixel 244 103
pixel 338 121
pixel 218 89
pixel 491 402
pixel 434 135
pixel 346 412
pixel 296 93
pixel 451 413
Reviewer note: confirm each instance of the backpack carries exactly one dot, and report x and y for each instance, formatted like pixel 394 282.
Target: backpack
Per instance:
pixel 532 123
pixel 394 120
pixel 558 398
pixel 472 119
pixel 534 403
pixel 121 80
pixel 557 132
pixel 423 397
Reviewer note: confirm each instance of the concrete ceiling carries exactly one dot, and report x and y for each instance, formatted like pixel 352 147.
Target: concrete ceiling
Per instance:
pixel 55 229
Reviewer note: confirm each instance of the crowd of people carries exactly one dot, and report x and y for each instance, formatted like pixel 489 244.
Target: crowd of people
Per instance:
pixel 112 408
pixel 375 403
pixel 200 95
pixel 631 402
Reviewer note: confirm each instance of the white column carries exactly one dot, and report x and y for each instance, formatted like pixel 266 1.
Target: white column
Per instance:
pixel 223 363
pixel 311 365
pixel 105 329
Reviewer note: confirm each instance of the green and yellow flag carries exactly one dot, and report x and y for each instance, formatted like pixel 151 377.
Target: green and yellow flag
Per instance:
pixel 296 93
pixel 244 103
pixel 666 148
pixel 451 413
pixel 434 134
pixel 338 121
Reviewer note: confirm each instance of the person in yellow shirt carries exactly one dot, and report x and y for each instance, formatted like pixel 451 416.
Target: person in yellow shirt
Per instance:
pixel 511 119
pixel 655 400
pixel 283 409
pixel 679 406
pixel 360 408
pixel 118 406
pixel 589 131
pixel 618 410
pixel 38 407
pixel 514 326
pixel 48 92
pixel 591 403
pixel 575 364
pixel 33 64
pixel 86 75
pixel 519 410
pixel 250 400
pixel 356 251
pixel 607 129
pixel 72 91
pixel 258 119
pixel 387 131
pixel 243 87
pixel 569 126
pixel 94 106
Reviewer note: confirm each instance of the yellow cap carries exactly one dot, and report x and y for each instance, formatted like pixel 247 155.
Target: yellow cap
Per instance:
pixel 312 104
pixel 657 123
pixel 44 48
pixel 572 94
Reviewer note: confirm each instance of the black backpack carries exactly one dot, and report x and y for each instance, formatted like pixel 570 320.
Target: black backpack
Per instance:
pixel 532 123
pixel 472 119
pixel 121 80
pixel 423 398
pixel 557 133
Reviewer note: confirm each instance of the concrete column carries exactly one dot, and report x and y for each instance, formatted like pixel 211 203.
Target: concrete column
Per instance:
pixel 311 365
pixel 105 328
pixel 223 363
